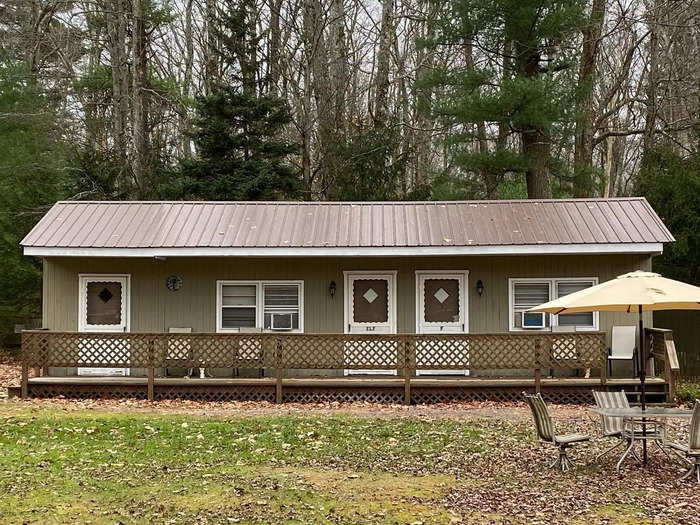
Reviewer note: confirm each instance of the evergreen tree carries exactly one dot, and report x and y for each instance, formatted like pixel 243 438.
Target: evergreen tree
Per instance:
pixel 516 101
pixel 239 131
pixel 241 153
pixel 34 174
pixel 671 184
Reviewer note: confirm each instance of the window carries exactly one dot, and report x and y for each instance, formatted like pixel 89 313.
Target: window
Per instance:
pixel 281 307
pixel 266 305
pixel 585 319
pixel 528 293
pixel 239 306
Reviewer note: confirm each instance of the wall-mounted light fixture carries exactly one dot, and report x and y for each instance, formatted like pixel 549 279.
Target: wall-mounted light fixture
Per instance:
pixel 480 287
pixel 331 289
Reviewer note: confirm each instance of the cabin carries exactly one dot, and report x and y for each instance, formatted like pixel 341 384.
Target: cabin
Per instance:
pixel 388 301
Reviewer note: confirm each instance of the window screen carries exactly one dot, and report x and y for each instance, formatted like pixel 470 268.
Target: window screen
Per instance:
pixel 527 295
pixel 104 303
pixel 441 300
pixel 238 305
pixel 370 301
pixel 584 319
pixel 281 306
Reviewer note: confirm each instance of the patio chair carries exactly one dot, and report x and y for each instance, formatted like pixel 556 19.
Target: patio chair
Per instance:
pixel 623 347
pixel 614 427
pixel 690 453
pixel 545 432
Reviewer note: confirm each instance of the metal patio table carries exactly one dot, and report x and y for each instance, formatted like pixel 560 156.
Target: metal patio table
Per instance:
pixel 648 416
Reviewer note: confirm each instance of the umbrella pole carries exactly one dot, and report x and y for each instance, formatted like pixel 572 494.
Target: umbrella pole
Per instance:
pixel 642 381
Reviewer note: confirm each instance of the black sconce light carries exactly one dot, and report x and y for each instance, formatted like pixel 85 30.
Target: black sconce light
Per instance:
pixel 480 287
pixel 331 289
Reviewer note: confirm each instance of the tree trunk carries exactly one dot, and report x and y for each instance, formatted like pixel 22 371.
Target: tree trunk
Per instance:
pixel 120 78
pixel 186 145
pixel 211 62
pixel 140 133
pixel 339 65
pixel 535 141
pixel 651 103
pixel 316 50
pixel 274 58
pixel 583 147
pixel 425 59
pixel 536 145
pixel 381 84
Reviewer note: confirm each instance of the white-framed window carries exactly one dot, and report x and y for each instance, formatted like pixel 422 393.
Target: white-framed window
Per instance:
pixel 269 306
pixel 527 293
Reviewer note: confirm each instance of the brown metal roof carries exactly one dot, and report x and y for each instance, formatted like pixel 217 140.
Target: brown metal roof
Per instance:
pixel 344 224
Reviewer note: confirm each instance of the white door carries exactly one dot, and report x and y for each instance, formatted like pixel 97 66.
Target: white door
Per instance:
pixel 441 308
pixel 370 308
pixel 103 306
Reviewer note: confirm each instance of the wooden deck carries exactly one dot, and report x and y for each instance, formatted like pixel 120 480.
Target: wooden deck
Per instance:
pixel 377 389
pixel 294 366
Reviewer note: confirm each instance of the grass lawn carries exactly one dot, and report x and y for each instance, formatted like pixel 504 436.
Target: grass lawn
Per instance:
pixel 96 466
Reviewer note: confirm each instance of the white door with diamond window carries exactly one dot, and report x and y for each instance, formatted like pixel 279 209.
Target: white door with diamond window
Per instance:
pixel 370 308
pixel 103 306
pixel 441 308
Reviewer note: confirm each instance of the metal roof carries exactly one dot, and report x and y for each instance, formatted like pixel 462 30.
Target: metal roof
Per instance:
pixel 133 225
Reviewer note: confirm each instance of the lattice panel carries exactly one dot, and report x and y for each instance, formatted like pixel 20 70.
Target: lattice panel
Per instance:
pixel 373 352
pixel 318 351
pixel 71 349
pixel 512 351
pixel 445 353
pixel 216 393
pixel 88 391
pixel 427 396
pixel 572 350
pixel 569 395
pixel 217 350
pixel 503 351
pixel 343 395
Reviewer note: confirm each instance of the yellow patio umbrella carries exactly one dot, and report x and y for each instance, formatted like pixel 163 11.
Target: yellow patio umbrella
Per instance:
pixel 632 292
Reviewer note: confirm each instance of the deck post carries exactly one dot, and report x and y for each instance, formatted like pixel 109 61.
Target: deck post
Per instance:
pixel 407 370
pixel 671 363
pixel 538 364
pixel 24 390
pixel 603 362
pixel 25 380
pixel 151 370
pixel 278 370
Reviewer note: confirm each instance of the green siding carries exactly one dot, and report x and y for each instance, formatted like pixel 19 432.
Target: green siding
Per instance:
pixel 154 308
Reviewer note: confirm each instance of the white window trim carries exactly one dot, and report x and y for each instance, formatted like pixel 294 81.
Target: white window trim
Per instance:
pixel 553 319
pixel 259 302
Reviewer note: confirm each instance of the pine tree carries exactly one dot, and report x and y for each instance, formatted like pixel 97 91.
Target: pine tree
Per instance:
pixel 241 153
pixel 514 100
pixel 239 131
pixel 34 173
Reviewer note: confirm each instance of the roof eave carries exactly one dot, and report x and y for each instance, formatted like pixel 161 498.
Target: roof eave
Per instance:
pixel 370 251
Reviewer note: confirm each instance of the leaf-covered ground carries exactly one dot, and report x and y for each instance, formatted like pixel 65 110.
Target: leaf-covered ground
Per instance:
pixel 99 462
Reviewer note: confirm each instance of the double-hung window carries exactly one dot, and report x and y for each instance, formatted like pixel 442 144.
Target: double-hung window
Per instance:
pixel 262 305
pixel 528 293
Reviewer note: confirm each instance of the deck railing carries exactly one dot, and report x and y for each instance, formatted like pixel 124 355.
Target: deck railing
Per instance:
pixel 662 348
pixel 282 354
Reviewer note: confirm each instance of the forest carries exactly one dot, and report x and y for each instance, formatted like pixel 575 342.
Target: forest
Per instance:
pixel 346 100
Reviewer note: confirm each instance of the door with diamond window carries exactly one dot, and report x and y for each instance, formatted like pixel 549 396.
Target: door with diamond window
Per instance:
pixel 441 309
pixel 370 304
pixel 103 306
